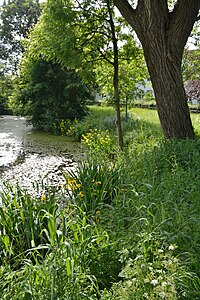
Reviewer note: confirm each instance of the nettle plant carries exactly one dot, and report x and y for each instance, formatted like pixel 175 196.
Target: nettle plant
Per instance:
pixel 151 271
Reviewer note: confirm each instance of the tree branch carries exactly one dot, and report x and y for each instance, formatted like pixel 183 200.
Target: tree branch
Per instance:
pixel 105 57
pixel 126 10
pixel 182 20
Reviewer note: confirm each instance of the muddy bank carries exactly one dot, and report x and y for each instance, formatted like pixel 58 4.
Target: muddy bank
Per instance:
pixel 38 171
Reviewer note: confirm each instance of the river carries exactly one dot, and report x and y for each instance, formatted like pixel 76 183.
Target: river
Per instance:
pixel 28 156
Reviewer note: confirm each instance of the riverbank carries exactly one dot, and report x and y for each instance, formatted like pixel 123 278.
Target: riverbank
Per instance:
pixel 28 156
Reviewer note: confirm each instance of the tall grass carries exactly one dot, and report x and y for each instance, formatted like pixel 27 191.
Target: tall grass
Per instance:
pixel 124 226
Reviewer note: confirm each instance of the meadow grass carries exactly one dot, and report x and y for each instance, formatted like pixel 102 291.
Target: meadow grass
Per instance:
pixel 124 226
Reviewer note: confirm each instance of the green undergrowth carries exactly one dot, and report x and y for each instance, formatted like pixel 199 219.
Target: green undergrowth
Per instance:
pixel 124 225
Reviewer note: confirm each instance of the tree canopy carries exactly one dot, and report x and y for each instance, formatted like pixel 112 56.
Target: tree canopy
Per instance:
pixel 85 35
pixel 49 93
pixel 17 18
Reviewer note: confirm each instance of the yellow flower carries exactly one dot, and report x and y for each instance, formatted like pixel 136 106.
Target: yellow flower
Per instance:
pixel 43 197
pixel 98 183
pixel 71 181
pixel 81 194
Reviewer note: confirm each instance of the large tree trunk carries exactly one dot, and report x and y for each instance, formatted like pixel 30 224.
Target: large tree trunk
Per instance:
pixel 163 35
pixel 165 73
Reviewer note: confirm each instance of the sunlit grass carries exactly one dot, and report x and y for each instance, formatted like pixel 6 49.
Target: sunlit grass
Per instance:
pixel 149 115
pixel 196 122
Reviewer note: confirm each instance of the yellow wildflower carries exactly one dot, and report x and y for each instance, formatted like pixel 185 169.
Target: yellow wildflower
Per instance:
pixel 81 194
pixel 71 181
pixel 43 197
pixel 78 185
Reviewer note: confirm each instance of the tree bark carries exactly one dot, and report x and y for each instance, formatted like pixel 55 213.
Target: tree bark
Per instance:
pixel 170 95
pixel 163 35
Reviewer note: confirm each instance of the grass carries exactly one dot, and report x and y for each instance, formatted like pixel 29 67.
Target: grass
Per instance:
pixel 125 225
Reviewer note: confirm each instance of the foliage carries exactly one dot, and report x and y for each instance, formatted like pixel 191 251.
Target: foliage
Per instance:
pixel 17 18
pixel 6 86
pixel 94 185
pixel 104 121
pixel 49 280
pixel 121 227
pixel 96 181
pixel 53 37
pixel 26 225
pixel 87 35
pixel 190 64
pixel 50 94
pixel 65 271
pixel 86 43
pixel 99 144
pixel 154 273
pixel 64 126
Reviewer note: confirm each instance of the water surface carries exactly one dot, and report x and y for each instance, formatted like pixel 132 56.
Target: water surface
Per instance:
pixel 28 156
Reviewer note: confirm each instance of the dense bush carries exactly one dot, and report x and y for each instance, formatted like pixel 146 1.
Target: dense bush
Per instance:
pixel 6 86
pixel 50 93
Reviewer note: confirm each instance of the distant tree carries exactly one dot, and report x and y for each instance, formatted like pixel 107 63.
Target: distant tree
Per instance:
pixel 17 18
pixel 191 65
pixel 50 93
pixel 6 86
pixel 84 35
pixel 132 71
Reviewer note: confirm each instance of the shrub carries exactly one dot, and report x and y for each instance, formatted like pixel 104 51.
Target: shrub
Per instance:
pixel 101 119
pixel 99 145
pixel 50 94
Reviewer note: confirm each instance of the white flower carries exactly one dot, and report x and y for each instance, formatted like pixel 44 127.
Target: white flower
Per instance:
pixel 154 282
pixel 164 283
pixel 160 251
pixel 162 295
pixel 160 278
pixel 171 247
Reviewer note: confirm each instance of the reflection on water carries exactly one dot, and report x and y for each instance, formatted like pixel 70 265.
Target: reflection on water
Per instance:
pixel 12 132
pixel 27 155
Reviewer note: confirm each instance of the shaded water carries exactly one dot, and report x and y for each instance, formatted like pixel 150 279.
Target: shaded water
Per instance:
pixel 28 156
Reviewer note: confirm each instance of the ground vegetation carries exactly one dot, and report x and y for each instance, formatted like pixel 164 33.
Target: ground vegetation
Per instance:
pixel 123 226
